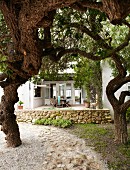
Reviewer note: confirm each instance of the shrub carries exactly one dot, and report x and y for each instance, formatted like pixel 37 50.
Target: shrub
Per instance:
pixel 61 123
pixel 55 122
pixel 40 121
pixel 48 122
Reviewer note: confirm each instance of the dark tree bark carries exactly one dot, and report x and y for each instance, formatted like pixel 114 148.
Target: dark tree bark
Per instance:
pixel 7 116
pixel 116 10
pixel 99 98
pixel 121 135
pixel 23 19
pixel 119 105
pixel 9 124
pixel 120 123
pixel 23 63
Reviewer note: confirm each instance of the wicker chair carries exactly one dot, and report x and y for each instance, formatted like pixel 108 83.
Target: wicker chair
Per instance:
pixel 53 102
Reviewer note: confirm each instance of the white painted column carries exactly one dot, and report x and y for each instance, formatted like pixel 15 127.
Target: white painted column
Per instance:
pixel 32 95
pixel 57 90
pixel 73 93
pixel 43 95
pixel 27 94
pixel 65 90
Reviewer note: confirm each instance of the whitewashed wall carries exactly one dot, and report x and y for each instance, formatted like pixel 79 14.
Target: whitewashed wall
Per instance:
pixel 23 94
pixel 106 77
pixel 26 94
pixel 38 101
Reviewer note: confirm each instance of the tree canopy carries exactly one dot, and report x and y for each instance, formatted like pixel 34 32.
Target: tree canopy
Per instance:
pixel 33 30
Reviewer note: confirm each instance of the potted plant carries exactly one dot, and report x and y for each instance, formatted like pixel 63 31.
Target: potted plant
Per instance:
pixel 20 105
pixel 86 103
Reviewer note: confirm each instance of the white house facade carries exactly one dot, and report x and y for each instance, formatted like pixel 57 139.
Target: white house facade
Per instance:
pixel 38 95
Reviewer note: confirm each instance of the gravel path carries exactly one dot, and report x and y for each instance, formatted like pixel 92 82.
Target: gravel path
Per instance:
pixel 48 148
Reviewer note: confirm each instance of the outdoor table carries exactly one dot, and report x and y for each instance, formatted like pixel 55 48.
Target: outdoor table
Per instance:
pixel 63 102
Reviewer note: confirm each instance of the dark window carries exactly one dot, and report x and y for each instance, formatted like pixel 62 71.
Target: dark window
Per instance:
pixel 37 92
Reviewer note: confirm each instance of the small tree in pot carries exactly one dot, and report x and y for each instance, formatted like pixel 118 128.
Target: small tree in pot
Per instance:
pixel 20 106
pixel 86 103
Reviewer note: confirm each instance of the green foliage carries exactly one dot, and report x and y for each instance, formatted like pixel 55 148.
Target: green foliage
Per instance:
pixel 6 46
pixel 48 121
pixel 66 36
pixel 55 122
pixel 88 74
pixel 91 131
pixel 20 102
pixel 91 71
pixel 61 123
pixel 128 115
pixel 86 101
pixel 115 36
pixel 51 70
pixel 101 138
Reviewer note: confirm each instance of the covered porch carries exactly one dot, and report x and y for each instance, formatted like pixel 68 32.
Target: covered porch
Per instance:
pixel 62 90
pixel 39 95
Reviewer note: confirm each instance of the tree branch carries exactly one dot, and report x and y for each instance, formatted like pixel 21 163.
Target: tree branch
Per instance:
pixel 32 15
pixel 116 10
pixel 123 96
pixel 17 71
pixel 3 76
pixel 58 53
pixel 125 105
pixel 10 16
pixel 78 51
pixel 21 73
pixel 78 7
pixel 93 5
pixel 112 87
pixel 93 35
pixel 47 38
pixel 121 46
pixel 126 23
pixel 121 69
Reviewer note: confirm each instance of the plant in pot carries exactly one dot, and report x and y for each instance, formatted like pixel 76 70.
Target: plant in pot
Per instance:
pixel 86 103
pixel 20 105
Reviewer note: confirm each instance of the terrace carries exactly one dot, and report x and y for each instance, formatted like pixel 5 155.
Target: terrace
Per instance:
pixel 77 114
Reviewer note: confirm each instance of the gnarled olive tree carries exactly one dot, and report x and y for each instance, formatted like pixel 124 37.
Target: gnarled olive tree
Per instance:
pixel 102 46
pixel 23 59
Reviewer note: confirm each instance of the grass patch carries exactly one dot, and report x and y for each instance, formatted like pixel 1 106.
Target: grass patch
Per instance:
pixel 55 122
pixel 101 137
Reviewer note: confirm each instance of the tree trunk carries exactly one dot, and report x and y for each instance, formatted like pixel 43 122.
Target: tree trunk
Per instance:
pixel 8 118
pixel 99 98
pixel 116 10
pixel 121 135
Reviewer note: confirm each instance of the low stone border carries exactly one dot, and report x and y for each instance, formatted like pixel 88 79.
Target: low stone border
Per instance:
pixel 77 116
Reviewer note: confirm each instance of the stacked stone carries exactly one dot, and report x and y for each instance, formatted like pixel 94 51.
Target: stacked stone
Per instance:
pixel 77 116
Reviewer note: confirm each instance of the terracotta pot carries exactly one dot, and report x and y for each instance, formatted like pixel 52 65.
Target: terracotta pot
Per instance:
pixel 20 107
pixel 87 104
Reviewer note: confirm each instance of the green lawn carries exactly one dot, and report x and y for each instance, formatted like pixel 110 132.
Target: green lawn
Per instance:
pixel 101 137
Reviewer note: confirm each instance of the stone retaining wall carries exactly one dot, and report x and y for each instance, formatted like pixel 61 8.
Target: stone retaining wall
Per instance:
pixel 77 116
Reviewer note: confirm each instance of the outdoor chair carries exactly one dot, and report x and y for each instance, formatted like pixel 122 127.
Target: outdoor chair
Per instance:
pixel 93 105
pixel 53 102
pixel 68 103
